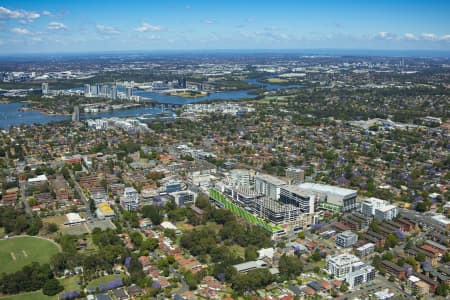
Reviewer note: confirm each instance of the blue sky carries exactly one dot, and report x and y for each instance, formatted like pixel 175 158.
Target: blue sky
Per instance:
pixel 109 25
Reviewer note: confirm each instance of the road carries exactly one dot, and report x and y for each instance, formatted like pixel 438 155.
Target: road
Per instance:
pixel 23 196
pixel 82 196
pixel 380 283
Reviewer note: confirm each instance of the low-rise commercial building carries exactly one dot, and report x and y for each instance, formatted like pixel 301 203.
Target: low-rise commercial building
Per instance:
pixel 346 239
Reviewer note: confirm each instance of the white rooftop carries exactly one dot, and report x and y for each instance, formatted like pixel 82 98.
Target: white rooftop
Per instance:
pixel 413 278
pixel 38 179
pixel 441 219
pixel 325 188
pixel 271 179
pixel 74 218
pixel 168 225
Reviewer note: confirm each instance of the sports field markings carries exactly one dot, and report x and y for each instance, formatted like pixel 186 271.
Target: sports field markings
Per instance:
pixel 13 256
pixel 24 253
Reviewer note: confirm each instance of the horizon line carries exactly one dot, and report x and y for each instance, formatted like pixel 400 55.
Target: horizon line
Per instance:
pixel 222 50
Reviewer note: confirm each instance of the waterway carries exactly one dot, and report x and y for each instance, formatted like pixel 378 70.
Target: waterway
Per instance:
pixel 11 116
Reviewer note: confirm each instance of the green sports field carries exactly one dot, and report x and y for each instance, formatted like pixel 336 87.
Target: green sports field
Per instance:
pixel 242 212
pixel 29 296
pixel 20 251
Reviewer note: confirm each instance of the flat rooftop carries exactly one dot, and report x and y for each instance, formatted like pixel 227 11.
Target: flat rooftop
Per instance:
pixel 295 189
pixel 271 179
pixel 328 189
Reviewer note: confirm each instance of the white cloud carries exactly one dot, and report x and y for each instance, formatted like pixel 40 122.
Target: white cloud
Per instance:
pixel 410 36
pixel 187 7
pixel 107 29
pixel 445 37
pixel 19 30
pixel 429 36
pixel 6 13
pixel 148 27
pixel 47 13
pixel 209 21
pixel 383 35
pixel 56 26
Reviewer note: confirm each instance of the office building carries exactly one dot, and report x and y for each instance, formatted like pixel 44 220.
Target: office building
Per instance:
pixel 129 92
pixel 332 198
pixel 183 198
pixel 346 239
pixel 268 185
pixel 130 199
pixel 242 177
pixel 350 268
pixel 292 194
pixel 295 175
pixel 172 187
pixel 76 114
pixel 44 88
pixel 365 249
pixel 87 89
pixel 114 92
pixel 380 209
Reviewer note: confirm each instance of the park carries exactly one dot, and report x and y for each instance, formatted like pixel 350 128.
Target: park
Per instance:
pixel 17 252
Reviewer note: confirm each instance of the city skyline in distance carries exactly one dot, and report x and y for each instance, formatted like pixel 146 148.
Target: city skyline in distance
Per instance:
pixel 91 26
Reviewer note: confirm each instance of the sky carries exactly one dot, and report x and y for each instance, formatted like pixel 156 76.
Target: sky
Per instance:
pixel 45 26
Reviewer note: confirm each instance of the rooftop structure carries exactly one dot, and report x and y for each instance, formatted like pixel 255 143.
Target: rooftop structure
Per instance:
pixel 346 239
pixel 332 197
pixel 268 185
pixel 378 208
pixel 104 211
pixel 350 268
pixel 74 218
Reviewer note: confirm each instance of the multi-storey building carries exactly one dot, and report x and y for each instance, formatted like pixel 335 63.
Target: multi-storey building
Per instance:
pixel 268 185
pixel 130 199
pixel 350 268
pixel 346 239
pixel 332 197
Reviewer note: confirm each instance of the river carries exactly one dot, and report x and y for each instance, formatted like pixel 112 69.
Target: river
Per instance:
pixel 11 116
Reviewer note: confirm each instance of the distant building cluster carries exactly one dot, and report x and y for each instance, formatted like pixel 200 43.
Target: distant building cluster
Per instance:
pixel 223 108
pixel 129 124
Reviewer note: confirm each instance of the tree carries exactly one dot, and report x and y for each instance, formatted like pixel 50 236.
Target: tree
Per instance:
pixel 442 289
pixel 344 287
pixel 52 227
pixel 52 287
pixel 190 280
pixel 316 256
pixel 136 238
pixel 290 266
pixel 150 244
pixel 301 235
pixel 92 206
pixel 420 257
pixel 155 214
pixel 250 253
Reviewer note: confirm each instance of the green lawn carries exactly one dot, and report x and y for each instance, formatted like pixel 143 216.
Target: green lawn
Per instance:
pixel 30 296
pixel 20 251
pixel 70 283
pixel 104 279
